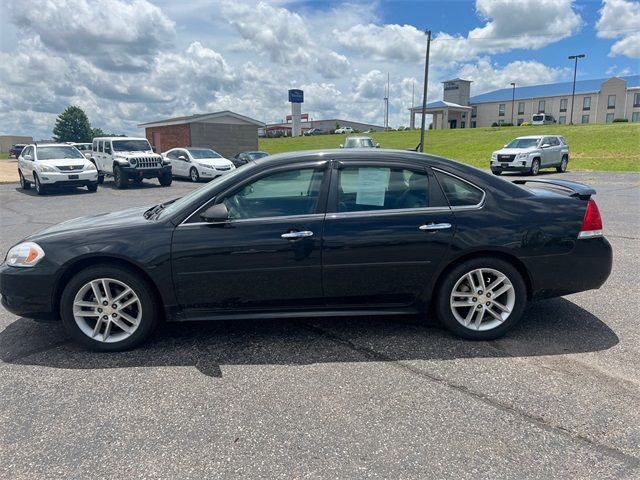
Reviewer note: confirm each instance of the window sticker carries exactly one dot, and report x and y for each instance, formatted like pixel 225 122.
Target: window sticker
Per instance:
pixel 372 186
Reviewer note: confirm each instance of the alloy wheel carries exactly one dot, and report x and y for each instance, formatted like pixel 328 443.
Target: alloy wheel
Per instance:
pixel 194 175
pixel 482 299
pixel 107 310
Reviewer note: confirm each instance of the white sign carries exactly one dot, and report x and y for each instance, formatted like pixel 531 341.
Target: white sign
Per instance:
pixel 372 186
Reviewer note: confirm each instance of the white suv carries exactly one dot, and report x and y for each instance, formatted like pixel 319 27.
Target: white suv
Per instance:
pixel 55 165
pixel 348 130
pixel 530 154
pixel 129 158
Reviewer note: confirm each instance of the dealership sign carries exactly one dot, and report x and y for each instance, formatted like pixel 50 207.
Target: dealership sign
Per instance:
pixel 296 96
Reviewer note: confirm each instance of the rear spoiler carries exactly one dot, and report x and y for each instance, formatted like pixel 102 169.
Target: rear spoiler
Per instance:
pixel 579 190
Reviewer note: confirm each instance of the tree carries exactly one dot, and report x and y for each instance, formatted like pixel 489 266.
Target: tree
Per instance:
pixel 72 125
pixel 98 132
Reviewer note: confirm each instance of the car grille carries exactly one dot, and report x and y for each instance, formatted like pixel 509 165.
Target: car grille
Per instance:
pixel 147 162
pixel 506 158
pixel 225 168
pixel 69 168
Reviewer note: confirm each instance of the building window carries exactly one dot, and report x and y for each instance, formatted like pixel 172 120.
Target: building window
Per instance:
pixel 636 99
pixel 611 101
pixel 563 105
pixel 609 117
pixel 585 118
pixel 473 124
pixel 501 110
pixel 520 108
pixel 474 112
pixel 586 103
pixel 562 119
pixel 520 121
pixel 541 106
pixel 635 116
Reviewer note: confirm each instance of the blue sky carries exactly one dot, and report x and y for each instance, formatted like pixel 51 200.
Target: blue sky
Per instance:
pixel 130 61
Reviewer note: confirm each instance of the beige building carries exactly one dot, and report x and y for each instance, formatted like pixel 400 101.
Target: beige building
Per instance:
pixel 7 141
pixel 596 101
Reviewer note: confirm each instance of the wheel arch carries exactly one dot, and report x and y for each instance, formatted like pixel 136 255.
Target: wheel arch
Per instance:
pixel 81 263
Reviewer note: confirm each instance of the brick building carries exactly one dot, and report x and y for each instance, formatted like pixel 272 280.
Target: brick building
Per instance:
pixel 225 132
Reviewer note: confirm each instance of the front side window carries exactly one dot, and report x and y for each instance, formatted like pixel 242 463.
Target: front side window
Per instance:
pixel 563 105
pixel 288 193
pixel 541 105
pixel 611 101
pixel 173 155
pixel 101 146
pixel 381 188
pixel 198 153
pixel 586 104
pixel 501 109
pixel 520 108
pixel 95 146
pixel 458 192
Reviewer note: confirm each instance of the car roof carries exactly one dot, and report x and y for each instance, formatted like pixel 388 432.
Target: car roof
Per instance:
pixel 52 144
pixel 534 136
pixel 119 138
pixel 359 137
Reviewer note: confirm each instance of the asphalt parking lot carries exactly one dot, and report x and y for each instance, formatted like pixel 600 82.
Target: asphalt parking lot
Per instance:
pixel 340 398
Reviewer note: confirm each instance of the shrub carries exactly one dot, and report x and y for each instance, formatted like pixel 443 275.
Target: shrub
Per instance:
pixel 525 124
pixel 620 120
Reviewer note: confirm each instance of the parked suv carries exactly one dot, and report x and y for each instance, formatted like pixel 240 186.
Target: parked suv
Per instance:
pixel 16 149
pixel 55 165
pixel 530 154
pixel 345 130
pixel 129 158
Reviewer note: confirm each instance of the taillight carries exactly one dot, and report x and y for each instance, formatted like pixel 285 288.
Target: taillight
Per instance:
pixel 592 223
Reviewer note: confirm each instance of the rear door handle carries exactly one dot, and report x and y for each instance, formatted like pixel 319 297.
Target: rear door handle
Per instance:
pixel 294 235
pixel 435 226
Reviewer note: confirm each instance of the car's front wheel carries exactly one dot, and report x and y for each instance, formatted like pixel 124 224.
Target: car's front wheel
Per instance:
pixel 108 308
pixel 165 179
pixel 535 167
pixel 40 189
pixel 481 299
pixel 92 187
pixel 120 178
pixel 24 183
pixel 194 175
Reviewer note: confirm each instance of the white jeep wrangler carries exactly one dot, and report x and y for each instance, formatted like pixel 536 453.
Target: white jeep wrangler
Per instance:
pixel 128 158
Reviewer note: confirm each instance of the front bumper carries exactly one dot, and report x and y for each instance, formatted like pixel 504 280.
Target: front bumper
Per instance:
pixel 68 179
pixel 28 292
pixel 133 172
pixel 523 165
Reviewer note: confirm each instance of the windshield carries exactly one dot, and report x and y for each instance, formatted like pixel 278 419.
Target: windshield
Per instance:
pixel 358 143
pixel 56 153
pixel 538 118
pixel 131 145
pixel 83 146
pixel 257 155
pixel 202 194
pixel 197 153
pixel 523 143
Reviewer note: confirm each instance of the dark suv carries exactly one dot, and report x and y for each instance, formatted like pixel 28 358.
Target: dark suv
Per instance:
pixel 16 150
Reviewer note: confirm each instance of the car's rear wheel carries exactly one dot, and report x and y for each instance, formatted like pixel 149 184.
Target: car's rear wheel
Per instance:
pixel 194 175
pixel 563 165
pixel 40 189
pixel 100 179
pixel 481 299
pixel 535 167
pixel 24 183
pixel 108 308
pixel 120 178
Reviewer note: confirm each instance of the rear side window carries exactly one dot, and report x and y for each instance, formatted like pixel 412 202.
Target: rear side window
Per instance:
pixel 459 193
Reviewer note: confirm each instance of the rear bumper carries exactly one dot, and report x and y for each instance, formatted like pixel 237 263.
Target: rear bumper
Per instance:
pixel 28 292
pixel 587 267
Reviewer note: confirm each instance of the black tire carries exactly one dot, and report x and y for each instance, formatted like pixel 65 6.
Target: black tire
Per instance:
pixel 120 178
pixel 24 183
pixel 92 187
pixel 40 189
pixel 535 167
pixel 100 179
pixel 444 310
pixel 138 180
pixel 563 164
pixel 140 287
pixel 165 179
pixel 194 176
pixel 496 172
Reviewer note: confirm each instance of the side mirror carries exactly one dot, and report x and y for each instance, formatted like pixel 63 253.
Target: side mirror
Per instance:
pixel 341 146
pixel 183 158
pixel 215 214
pixel 377 145
pixel 545 145
pixel 28 157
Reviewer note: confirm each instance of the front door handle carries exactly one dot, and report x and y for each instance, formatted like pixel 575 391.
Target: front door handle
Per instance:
pixel 435 226
pixel 294 235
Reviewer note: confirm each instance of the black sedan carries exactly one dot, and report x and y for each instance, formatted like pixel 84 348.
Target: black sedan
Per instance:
pixel 322 233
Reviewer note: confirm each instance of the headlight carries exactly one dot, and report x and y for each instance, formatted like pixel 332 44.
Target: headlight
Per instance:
pixel 205 166
pixel 90 166
pixel 46 168
pixel 494 156
pixel 522 155
pixel 26 254
pixel 133 162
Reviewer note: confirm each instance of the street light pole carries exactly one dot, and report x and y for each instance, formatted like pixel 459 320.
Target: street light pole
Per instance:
pixel 573 93
pixel 513 100
pixel 424 91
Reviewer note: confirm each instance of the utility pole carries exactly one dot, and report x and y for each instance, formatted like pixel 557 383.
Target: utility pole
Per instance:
pixel 386 104
pixel 424 91
pixel 573 93
pixel 513 100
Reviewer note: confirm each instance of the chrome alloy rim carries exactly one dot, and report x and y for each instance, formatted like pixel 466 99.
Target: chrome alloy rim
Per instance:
pixel 482 299
pixel 536 167
pixel 107 310
pixel 194 175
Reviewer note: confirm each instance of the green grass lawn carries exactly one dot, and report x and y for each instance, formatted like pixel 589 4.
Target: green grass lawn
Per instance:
pixel 4 156
pixel 604 147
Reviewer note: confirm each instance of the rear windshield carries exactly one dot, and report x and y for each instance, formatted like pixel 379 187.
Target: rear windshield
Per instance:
pixel 131 145
pixel 203 153
pixel 56 153
pixel 523 142
pixel 358 143
pixel 537 118
pixel 257 155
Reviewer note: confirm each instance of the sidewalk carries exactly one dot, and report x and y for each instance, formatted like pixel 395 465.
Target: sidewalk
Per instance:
pixel 9 171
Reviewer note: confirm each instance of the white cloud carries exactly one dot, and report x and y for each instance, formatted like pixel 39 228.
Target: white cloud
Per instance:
pixel 620 19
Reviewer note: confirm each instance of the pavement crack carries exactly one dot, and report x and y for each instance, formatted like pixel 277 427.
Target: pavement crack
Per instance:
pixel 540 422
